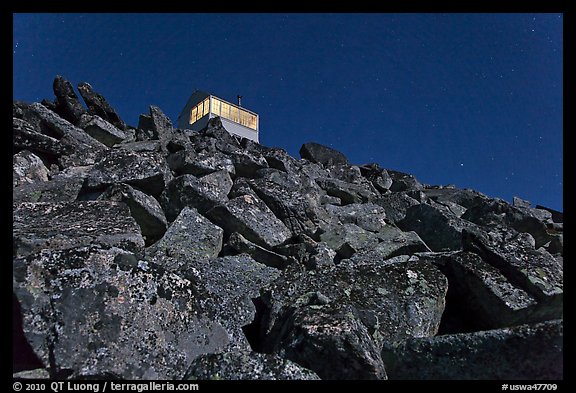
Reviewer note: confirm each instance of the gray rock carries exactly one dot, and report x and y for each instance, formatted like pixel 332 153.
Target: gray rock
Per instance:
pixel 67 104
pixel 488 298
pixel 146 171
pixel 141 146
pixel 347 192
pixel 379 177
pixel 321 154
pixel 395 205
pixel 556 215
pixel 333 321
pixel 247 164
pixel 27 168
pixel 497 212
pixel 250 217
pixel 367 216
pixel 145 209
pixel 292 200
pixel 25 137
pixel 97 105
pixel 330 200
pixel 513 254
pixel 448 207
pixel 59 226
pixel 219 180
pixel 403 182
pixel 190 236
pixel 530 352
pixel 201 163
pixel 259 254
pixel 188 190
pixel 519 202
pixel 440 230
pixel 278 159
pixel 246 366
pixel 348 239
pixel 463 197
pixel 102 131
pixel 230 282
pixel 88 311
pixel 59 189
pixel 38 373
pixel 393 242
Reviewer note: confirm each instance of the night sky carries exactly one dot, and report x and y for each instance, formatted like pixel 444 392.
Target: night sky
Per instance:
pixel 473 100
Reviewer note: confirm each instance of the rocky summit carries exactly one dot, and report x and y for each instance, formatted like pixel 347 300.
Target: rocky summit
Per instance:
pixel 153 252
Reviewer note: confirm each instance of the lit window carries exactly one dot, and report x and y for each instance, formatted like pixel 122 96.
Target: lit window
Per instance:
pixel 193 115
pixel 206 107
pixel 216 106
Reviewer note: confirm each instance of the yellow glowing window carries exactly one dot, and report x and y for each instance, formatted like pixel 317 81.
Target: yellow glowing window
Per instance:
pixel 247 119
pixel 206 107
pixel 193 115
pixel 216 106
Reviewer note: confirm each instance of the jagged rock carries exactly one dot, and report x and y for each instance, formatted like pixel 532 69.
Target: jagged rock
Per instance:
pixel 292 200
pixel 463 197
pixel 534 271
pixel 330 200
pixel 531 352
pixel 102 131
pixel 246 164
pixel 403 182
pixel 347 192
pixel 393 242
pixel 556 245
pixel 220 180
pixel 146 171
pixel 97 105
pixel 246 366
pixel 440 230
pixel 188 190
pixel 140 146
pixel 67 104
pixel 59 226
pixel 199 164
pixel 395 205
pixel 38 373
pixel 379 177
pixel 145 210
pixel 259 254
pixel 67 143
pixel 250 217
pixel 25 137
pixel 367 216
pixel 321 154
pixel 240 187
pixel 335 321
pixel 278 159
pixel 556 215
pixel 519 202
pixel 312 254
pixel 190 236
pixel 59 189
pixel 27 168
pixel 231 282
pixel 496 212
pixel 348 239
pixel 89 311
pixel 448 207
pixel 486 297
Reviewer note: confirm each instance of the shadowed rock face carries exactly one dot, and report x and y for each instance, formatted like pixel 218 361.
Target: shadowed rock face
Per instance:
pixel 151 252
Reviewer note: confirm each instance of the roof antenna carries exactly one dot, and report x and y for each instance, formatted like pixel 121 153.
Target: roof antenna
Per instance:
pixel 239 100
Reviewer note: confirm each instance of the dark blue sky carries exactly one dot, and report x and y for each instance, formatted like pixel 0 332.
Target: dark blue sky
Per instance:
pixel 473 100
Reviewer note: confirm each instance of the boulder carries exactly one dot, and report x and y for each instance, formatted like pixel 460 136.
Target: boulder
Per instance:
pixel 25 137
pixel 395 205
pixel 321 154
pixel 102 131
pixel 27 168
pixel 259 254
pixel 246 164
pixel 393 242
pixel 146 171
pixel 188 190
pixel 67 104
pixel 348 239
pixel 335 321
pixel 190 236
pixel 246 366
pixel 440 230
pixel 534 271
pixel 347 192
pixel 519 202
pixel 463 197
pixel 59 226
pixel 250 217
pixel 90 311
pixel 145 210
pixel 403 182
pixel 59 189
pixel 367 216
pixel 526 352
pixel 97 105
pixel 199 164
pixel 292 200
